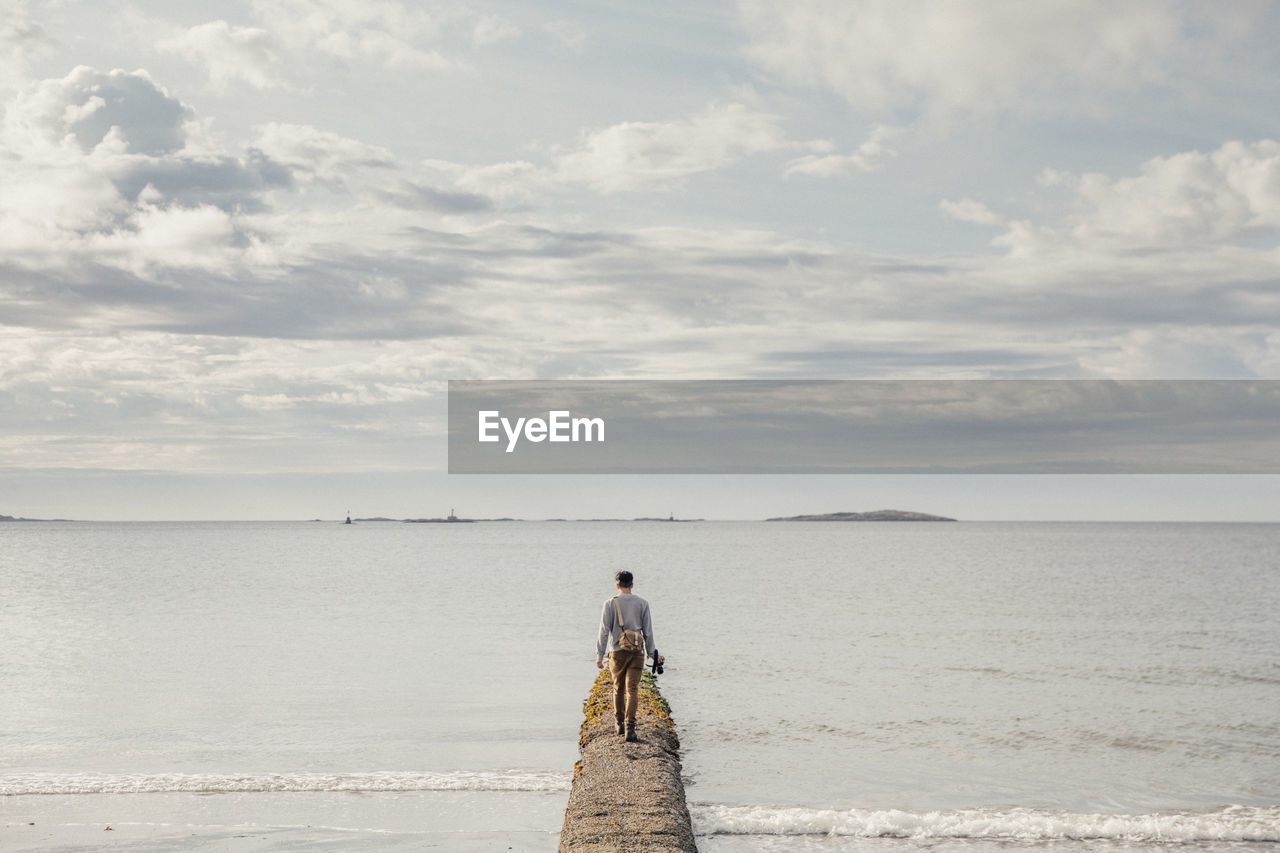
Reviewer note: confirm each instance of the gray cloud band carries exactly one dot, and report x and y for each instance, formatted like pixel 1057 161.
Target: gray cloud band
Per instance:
pixel 865 427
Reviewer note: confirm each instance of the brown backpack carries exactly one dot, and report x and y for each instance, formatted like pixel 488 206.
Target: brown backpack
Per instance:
pixel 628 641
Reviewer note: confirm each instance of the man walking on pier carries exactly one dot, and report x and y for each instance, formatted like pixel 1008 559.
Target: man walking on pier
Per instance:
pixel 626 630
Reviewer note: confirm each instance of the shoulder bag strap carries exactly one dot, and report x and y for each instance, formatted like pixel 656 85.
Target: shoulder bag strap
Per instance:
pixel 618 607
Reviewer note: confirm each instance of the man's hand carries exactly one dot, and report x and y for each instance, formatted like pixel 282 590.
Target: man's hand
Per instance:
pixel 660 660
pixel 599 664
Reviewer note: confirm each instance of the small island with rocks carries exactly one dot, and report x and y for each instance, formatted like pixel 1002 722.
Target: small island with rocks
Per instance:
pixel 876 515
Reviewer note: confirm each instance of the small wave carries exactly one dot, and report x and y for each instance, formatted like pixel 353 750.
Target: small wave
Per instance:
pixel 1235 823
pixel 459 780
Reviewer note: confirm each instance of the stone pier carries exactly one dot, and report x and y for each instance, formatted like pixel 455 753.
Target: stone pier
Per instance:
pixel 627 797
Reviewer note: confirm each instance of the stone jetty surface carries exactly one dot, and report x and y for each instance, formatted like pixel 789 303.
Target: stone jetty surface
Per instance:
pixel 627 797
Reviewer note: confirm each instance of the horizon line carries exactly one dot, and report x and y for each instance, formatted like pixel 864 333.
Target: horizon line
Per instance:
pixel 654 520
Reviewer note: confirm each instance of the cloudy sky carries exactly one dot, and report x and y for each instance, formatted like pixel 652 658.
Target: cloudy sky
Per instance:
pixel 243 245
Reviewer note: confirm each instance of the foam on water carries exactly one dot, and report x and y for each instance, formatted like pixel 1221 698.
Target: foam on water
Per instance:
pixel 1233 823
pixel 460 780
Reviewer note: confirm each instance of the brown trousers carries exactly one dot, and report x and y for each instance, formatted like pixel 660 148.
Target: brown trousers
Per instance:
pixel 625 667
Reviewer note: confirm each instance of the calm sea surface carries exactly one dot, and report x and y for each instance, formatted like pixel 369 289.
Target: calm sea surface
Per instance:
pixel 887 687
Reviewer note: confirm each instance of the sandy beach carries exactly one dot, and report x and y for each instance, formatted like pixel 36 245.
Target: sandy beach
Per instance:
pixel 247 823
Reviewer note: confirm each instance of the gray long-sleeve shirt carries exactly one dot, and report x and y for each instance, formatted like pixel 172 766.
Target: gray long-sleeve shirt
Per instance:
pixel 635 617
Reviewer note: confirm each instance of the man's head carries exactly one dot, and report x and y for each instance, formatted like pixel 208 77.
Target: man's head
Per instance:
pixel 624 579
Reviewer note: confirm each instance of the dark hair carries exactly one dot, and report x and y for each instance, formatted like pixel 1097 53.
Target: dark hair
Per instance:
pixel 624 579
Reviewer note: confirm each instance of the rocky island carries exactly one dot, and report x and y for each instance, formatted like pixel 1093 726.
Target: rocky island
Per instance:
pixel 875 515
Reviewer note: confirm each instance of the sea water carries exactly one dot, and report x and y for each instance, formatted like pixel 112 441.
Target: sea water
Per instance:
pixel 869 686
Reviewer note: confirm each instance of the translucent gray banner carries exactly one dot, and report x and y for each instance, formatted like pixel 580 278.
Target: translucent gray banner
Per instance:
pixel 865 427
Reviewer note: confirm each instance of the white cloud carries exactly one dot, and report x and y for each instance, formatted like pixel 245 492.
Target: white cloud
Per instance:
pixel 147 400
pixel 153 238
pixel 386 287
pixel 636 156
pixel 513 182
pixel 230 53
pixel 1191 201
pixel 1187 199
pixel 493 29
pixel 974 55
pixel 660 155
pixel 568 33
pixel 868 158
pixel 20 41
pixel 364 263
pixel 319 153
pixel 98 172
pixel 266 402
pixel 355 338
pixel 503 181
pixel 1171 351
pixel 311 284
pixel 396 52
pixel 83 108
pixel 968 210
pixel 378 32
pixel 641 156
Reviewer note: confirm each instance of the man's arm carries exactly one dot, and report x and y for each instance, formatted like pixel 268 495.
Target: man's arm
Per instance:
pixel 602 638
pixel 647 628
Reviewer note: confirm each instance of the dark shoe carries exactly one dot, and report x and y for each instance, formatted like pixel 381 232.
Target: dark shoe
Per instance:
pixel 631 733
pixel 620 731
